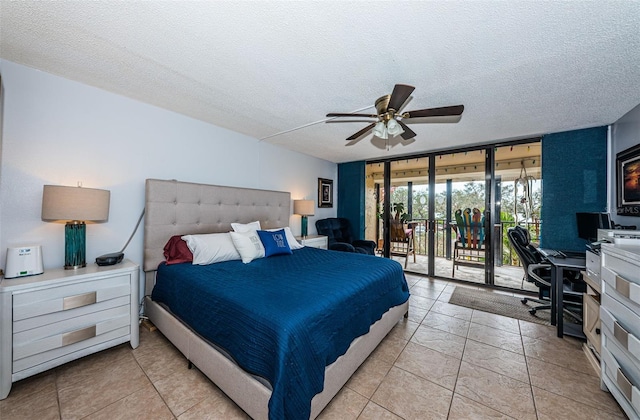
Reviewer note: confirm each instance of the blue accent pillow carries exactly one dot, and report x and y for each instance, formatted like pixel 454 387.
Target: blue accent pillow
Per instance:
pixel 274 242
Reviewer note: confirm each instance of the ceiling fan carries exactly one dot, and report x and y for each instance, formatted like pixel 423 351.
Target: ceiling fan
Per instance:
pixel 390 121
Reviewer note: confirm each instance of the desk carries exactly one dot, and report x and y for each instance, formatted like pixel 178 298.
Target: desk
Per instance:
pixel 558 265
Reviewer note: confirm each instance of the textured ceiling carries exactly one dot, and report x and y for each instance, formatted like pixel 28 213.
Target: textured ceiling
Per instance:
pixel 521 68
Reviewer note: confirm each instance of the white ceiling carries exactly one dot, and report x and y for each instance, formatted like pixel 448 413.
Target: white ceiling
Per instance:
pixel 521 68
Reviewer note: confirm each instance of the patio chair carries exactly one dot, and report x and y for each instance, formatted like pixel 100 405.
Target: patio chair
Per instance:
pixel 402 240
pixel 469 246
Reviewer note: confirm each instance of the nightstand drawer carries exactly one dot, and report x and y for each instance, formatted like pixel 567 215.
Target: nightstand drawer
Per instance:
pixel 120 335
pixel 47 319
pixel 69 297
pixel 73 331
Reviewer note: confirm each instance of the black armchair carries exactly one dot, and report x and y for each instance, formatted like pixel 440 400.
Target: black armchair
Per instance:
pixel 538 271
pixel 338 231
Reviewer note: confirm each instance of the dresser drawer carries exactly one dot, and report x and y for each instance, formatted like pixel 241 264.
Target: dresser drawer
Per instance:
pixel 69 297
pixel 621 288
pixel 622 267
pixel 622 384
pixel 627 318
pixel 616 330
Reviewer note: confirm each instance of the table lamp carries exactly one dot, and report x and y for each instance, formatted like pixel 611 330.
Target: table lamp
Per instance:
pixel 303 208
pixel 74 205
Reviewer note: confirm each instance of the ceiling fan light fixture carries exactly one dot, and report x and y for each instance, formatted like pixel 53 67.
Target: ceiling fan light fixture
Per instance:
pixel 380 130
pixel 393 128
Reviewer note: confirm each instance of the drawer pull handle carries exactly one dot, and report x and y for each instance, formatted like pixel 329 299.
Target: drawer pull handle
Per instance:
pixel 72 302
pixel 624 384
pixel 598 331
pixel 623 286
pixel 78 335
pixel 621 335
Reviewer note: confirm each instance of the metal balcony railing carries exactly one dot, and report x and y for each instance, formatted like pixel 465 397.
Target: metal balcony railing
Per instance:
pixel 509 256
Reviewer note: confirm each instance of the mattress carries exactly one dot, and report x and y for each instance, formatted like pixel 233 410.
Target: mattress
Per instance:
pixel 284 318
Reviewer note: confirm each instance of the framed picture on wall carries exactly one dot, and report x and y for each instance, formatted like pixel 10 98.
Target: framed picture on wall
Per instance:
pixel 325 192
pixel 628 182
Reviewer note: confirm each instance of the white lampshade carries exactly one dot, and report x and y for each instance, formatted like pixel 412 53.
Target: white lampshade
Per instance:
pixel 393 128
pixel 380 130
pixel 303 207
pixel 75 203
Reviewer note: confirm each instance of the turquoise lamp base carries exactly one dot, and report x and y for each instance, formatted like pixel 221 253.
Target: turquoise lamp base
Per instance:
pixel 303 226
pixel 75 245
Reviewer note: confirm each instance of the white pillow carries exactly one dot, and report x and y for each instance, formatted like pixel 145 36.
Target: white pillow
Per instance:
pixel 246 227
pixel 211 248
pixel 293 243
pixel 248 245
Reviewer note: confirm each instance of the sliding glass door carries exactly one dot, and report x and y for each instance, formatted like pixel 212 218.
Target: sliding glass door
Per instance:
pixel 461 204
pixel 451 211
pixel 518 189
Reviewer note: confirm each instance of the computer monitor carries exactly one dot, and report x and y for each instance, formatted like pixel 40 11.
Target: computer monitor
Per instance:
pixel 589 223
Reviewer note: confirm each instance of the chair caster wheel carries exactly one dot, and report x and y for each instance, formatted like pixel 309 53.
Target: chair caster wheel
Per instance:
pixel 523 300
pixel 532 311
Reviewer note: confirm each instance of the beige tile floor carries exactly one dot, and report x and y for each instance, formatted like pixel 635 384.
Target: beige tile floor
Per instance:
pixel 444 362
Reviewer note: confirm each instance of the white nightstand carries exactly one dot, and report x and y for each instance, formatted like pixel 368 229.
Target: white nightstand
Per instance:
pixel 62 315
pixel 314 241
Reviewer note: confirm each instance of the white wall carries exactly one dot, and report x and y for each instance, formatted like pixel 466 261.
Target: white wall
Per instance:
pixel 625 133
pixel 56 131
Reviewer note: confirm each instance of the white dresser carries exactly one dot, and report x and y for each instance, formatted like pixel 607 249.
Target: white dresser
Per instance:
pixel 62 315
pixel 620 323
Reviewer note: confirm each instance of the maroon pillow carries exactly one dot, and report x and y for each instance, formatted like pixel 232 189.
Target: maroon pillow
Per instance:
pixel 176 251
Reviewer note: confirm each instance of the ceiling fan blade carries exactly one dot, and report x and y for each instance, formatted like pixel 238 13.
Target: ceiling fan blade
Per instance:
pixel 408 133
pixel 399 96
pixel 338 114
pixel 435 112
pixel 361 132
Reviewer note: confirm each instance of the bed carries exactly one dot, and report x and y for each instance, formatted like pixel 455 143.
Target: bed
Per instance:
pixel 180 208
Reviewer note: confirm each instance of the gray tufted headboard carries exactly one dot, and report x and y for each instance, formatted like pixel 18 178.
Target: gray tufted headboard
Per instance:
pixel 183 208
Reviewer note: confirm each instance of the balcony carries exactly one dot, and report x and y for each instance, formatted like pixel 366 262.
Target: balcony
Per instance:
pixel 507 272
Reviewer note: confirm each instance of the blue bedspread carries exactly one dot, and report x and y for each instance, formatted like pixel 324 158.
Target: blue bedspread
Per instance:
pixel 286 317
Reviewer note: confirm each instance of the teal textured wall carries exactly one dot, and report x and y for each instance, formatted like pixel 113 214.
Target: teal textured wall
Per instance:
pixel 351 191
pixel 574 179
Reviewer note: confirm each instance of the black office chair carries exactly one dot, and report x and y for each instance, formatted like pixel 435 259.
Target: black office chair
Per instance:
pixel 538 271
pixel 340 238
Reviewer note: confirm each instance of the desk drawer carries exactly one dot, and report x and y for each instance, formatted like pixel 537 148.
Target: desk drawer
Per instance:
pixel 591 320
pixel 592 264
pixel 69 297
